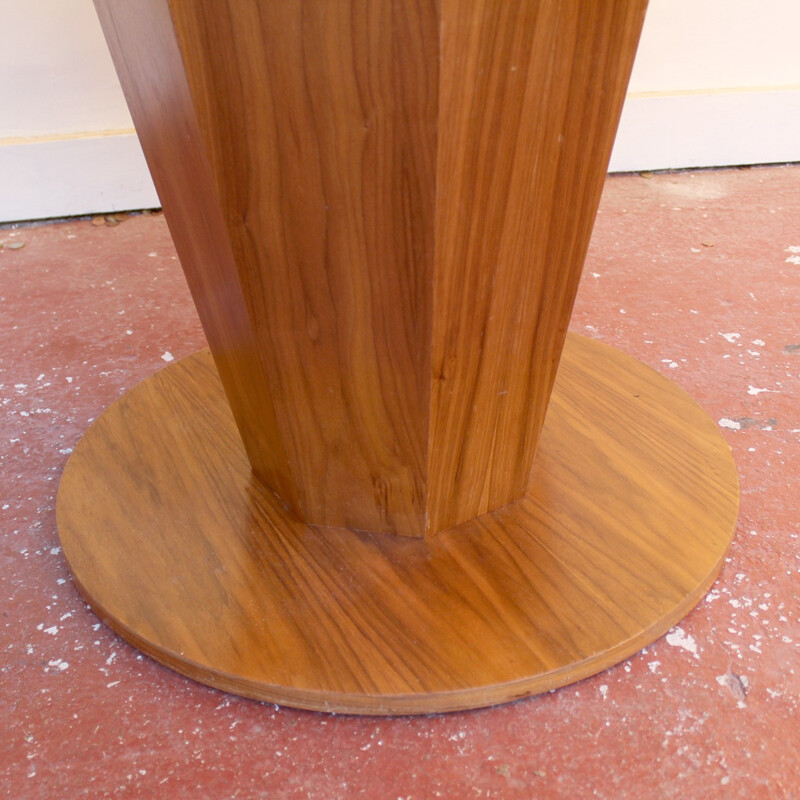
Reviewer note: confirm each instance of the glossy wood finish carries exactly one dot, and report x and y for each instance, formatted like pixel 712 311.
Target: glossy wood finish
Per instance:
pixel 382 209
pixel 141 39
pixel 530 96
pixel 623 528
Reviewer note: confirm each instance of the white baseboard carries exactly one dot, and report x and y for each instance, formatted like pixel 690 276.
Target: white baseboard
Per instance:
pixel 708 129
pixel 62 176
pixel 79 174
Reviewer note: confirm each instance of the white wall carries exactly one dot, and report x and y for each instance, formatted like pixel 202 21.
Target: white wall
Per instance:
pixel 67 144
pixel 716 82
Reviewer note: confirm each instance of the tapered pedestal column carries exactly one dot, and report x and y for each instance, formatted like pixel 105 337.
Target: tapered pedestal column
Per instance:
pixel 363 503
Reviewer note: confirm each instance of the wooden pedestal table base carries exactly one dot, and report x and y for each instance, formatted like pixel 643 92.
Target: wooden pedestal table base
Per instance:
pixel 630 511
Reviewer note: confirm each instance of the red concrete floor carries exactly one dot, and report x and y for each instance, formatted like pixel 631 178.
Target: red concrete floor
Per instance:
pixel 697 274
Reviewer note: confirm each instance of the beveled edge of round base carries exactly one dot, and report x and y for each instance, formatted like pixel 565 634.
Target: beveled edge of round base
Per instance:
pixel 401 703
pixel 357 704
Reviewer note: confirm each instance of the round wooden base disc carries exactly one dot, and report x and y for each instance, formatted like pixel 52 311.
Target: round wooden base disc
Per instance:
pixel 630 511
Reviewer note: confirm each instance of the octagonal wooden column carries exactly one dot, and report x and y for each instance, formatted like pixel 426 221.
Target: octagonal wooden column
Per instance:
pixel 382 210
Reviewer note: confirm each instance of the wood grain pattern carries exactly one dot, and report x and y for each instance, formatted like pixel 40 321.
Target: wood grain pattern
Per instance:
pixel 382 209
pixel 530 97
pixel 142 41
pixel 320 123
pixel 623 527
